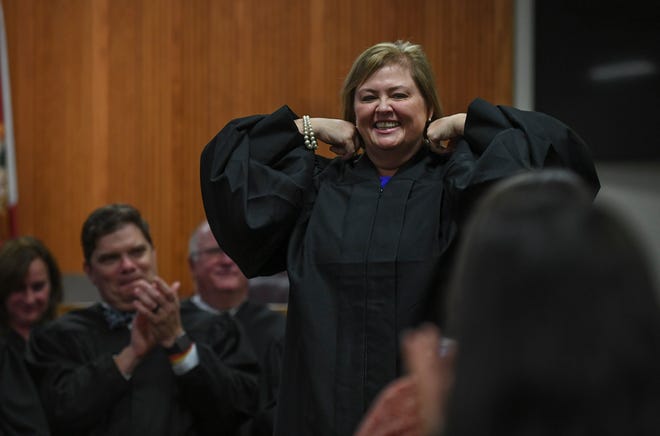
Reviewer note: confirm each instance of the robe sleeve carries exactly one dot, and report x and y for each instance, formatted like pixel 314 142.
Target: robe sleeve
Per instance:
pixel 254 175
pixel 76 393
pixel 501 141
pixel 221 391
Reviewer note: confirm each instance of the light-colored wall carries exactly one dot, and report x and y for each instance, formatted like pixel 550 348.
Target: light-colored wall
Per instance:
pixel 633 188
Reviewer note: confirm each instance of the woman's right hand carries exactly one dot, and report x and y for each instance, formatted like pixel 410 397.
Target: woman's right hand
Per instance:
pixel 341 135
pixel 442 131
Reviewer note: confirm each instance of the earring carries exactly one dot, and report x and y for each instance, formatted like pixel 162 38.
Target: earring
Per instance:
pixel 427 141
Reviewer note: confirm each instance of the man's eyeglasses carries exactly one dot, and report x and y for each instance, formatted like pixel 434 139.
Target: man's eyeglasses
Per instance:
pixel 208 252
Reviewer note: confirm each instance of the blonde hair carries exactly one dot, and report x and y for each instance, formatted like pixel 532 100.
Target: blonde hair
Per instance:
pixel 399 52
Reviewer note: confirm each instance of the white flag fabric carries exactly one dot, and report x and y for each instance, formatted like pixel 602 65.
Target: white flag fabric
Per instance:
pixel 8 179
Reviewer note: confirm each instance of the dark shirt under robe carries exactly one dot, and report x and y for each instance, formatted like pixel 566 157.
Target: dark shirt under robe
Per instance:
pixel 84 393
pixel 365 262
pixel 265 332
pixel 20 407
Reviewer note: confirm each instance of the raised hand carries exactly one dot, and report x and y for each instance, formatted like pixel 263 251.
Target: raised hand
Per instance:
pixel 158 303
pixel 440 132
pixel 341 135
pixel 395 412
pixel 430 362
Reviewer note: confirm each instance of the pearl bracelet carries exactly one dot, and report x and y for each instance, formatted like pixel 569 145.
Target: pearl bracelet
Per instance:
pixel 308 134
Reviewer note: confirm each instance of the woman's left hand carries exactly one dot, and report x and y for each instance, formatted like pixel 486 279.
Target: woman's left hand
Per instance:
pixel 441 131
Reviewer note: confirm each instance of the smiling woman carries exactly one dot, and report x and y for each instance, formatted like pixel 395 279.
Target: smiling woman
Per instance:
pixel 30 285
pixel 391 115
pixel 30 289
pixel 366 238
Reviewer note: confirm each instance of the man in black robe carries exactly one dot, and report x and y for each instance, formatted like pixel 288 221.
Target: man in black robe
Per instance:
pixel 221 287
pixel 129 365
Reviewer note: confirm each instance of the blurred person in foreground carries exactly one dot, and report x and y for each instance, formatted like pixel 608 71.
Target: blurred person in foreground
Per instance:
pixel 221 287
pixel 556 320
pixel 30 290
pixel 128 365
pixel 367 238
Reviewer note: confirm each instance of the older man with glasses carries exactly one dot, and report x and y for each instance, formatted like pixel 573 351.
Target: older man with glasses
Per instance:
pixel 220 288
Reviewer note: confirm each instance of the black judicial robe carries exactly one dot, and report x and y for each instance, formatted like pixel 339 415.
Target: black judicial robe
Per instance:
pixel 20 408
pixel 84 393
pixel 264 329
pixel 364 262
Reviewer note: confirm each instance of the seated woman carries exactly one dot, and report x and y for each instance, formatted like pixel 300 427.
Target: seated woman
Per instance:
pixel 30 289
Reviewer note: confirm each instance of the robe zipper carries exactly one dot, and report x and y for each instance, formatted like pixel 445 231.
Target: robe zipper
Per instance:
pixel 366 299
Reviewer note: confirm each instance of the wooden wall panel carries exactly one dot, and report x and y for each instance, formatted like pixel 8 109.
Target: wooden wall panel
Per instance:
pixel 114 99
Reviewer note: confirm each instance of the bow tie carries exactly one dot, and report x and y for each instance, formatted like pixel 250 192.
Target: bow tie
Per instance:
pixel 116 318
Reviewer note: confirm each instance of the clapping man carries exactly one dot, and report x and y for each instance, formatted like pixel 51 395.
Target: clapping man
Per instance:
pixel 128 365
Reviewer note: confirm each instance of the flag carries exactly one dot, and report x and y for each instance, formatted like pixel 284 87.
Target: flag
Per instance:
pixel 8 180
